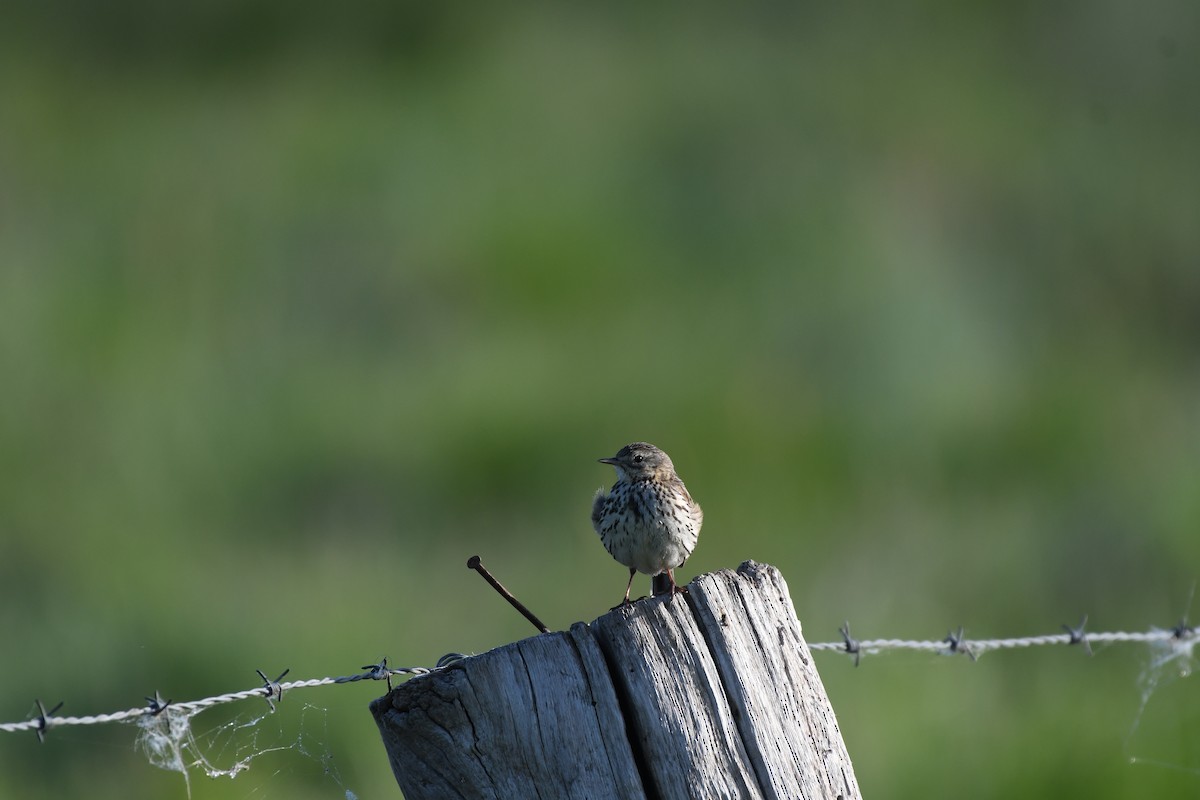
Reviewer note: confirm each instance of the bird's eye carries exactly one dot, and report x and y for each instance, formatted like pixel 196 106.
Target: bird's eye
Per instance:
pixel 638 459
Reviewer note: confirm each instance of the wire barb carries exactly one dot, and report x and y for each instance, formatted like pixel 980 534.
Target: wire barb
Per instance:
pixel 273 689
pixel 851 643
pixel 958 644
pixel 157 705
pixel 43 718
pixel 380 671
pixel 1078 636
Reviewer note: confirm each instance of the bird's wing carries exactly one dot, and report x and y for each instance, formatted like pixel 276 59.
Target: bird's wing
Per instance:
pixel 598 507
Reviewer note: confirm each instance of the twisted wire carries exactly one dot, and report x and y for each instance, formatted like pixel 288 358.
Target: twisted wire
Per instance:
pixel 272 689
pixel 1182 637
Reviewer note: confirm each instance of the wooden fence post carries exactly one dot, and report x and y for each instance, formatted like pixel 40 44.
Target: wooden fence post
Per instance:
pixel 710 695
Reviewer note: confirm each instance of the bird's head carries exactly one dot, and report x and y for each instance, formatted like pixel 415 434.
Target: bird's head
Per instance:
pixel 639 461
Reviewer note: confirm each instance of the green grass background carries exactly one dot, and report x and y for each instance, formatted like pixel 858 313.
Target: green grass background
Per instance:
pixel 302 306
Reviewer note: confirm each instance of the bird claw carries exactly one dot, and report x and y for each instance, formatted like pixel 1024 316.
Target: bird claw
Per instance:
pixel 627 603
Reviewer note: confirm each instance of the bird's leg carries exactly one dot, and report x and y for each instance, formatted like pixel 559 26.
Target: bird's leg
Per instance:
pixel 675 588
pixel 628 586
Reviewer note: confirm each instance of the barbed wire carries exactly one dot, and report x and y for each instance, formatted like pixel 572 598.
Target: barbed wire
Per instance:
pixel 955 643
pixel 1181 639
pixel 271 690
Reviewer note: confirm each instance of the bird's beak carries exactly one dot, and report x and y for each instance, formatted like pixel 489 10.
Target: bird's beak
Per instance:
pixel 612 461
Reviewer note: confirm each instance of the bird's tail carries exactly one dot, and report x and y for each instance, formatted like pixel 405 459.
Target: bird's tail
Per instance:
pixel 660 584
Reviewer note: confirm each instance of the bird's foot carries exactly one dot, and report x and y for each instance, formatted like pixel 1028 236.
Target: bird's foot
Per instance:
pixel 627 603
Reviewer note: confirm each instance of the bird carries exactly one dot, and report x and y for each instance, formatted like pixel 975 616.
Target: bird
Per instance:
pixel 647 521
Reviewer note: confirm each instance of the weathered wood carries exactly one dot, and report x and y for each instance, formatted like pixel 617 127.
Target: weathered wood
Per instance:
pixel 783 714
pixel 533 718
pixel 709 695
pixel 678 716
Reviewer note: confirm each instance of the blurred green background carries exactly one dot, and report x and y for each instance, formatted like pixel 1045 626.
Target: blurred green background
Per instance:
pixel 302 306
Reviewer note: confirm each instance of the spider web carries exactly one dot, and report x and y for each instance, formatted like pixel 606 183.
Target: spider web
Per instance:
pixel 172 741
pixel 1165 727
